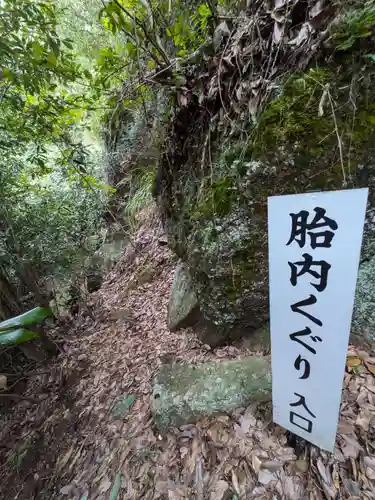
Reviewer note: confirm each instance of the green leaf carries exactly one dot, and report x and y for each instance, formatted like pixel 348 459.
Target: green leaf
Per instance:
pixel 7 73
pixel 37 50
pixel 204 10
pixel 68 43
pixel 52 59
pixel 33 317
pixel 18 336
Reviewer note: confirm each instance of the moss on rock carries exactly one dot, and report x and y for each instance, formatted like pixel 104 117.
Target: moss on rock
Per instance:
pixel 182 393
pixel 316 132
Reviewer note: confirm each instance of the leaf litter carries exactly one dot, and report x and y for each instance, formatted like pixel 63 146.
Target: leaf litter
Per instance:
pixel 80 449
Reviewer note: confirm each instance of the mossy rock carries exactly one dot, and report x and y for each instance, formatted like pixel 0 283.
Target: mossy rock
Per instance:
pixel 183 307
pixel 183 392
pixel 218 219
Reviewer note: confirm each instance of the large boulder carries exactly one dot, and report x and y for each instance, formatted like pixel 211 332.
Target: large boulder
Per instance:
pixel 364 307
pixel 184 392
pixel 183 304
pixel 313 130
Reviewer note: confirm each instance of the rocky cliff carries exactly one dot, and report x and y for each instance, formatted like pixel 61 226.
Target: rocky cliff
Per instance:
pixel 285 105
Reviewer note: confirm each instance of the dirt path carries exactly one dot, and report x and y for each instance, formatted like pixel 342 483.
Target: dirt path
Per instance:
pixel 72 443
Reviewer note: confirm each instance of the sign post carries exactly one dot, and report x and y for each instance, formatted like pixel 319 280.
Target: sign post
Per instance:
pixel 314 250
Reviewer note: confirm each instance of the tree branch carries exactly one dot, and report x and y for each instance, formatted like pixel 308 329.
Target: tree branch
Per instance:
pixel 147 35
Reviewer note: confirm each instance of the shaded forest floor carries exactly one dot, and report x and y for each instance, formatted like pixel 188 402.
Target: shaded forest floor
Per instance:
pixel 92 433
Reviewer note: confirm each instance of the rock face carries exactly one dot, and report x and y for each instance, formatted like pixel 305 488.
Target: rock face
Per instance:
pixel 183 304
pixel 364 307
pixel 314 131
pixel 182 393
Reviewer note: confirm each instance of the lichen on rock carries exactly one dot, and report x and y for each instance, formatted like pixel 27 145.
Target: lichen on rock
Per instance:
pixel 183 304
pixel 182 393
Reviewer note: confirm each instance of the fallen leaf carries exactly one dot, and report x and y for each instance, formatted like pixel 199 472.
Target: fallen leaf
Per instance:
pixel 61 463
pixel 369 462
pixel 246 422
pixel 351 447
pixel 67 489
pixel 219 490
pixel 352 361
pixel 235 482
pixel 336 477
pixel 363 420
pixel 352 487
pixel 370 473
pixel 3 382
pixel 278 32
pixel 265 477
pixel 256 463
pixel 302 465
pixel 271 465
pixel 363 355
pixel 345 427
pixel 370 367
pixel 104 485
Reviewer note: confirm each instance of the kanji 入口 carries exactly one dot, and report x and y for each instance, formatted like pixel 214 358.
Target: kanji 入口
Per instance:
pixel 302 420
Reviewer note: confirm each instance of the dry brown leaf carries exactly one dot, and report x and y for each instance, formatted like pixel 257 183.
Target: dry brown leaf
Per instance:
pixel 265 477
pixel 351 487
pixel 292 488
pixel 247 421
pixel 177 493
pixel 370 367
pixel 363 420
pixel 351 447
pixel 256 462
pixel 3 382
pixel 278 32
pixel 370 473
pixel 235 482
pixel 369 462
pixel 219 490
pixel 104 485
pixel 271 465
pixel 336 477
pixel 364 355
pixel 371 388
pixel 352 361
pixel 161 487
pixel 66 489
pixel 345 427
pixel 302 465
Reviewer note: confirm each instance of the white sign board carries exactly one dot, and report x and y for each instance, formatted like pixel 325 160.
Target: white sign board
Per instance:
pixel 314 249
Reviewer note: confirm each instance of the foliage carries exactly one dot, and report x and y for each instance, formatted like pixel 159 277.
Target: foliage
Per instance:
pixel 141 196
pixel 355 25
pixel 154 32
pixel 34 62
pixel 51 190
pixel 79 21
pixel 13 331
pixel 60 65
